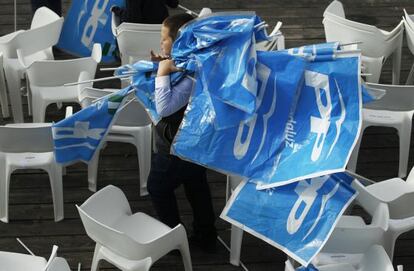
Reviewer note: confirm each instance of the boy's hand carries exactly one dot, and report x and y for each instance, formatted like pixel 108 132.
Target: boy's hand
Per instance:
pixel 156 57
pixel 166 67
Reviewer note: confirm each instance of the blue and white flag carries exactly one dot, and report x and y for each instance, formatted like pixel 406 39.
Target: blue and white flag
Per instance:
pixel 305 125
pixel 89 22
pixel 297 218
pixel 77 137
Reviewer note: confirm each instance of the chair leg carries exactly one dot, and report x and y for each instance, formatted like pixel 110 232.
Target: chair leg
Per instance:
pixel 38 109
pixel 4 192
pixel 93 172
pixel 96 258
pixel 235 245
pixel 410 76
pixel 404 133
pixel 185 254
pixel 55 177
pixel 13 85
pixel 396 65
pixel 29 97
pixel 3 95
pixel 353 159
pixel 143 145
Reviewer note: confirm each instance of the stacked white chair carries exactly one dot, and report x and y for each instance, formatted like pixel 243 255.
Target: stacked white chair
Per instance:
pixel 4 102
pixel 28 146
pixel 132 126
pixel 374 259
pixel 374 42
pixel 409 31
pixel 131 242
pixel 46 28
pixel 352 237
pixel 47 78
pixel 395 109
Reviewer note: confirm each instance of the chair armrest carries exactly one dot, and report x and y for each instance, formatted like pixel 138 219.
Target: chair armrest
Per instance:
pixel 69 111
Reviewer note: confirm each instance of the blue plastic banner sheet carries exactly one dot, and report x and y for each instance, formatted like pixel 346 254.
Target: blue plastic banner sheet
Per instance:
pixel 89 22
pixel 77 137
pixel 306 122
pixel 297 218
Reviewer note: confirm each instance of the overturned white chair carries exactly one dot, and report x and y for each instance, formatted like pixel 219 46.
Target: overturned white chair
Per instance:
pixel 28 146
pixel 395 109
pixel 131 242
pixel 373 42
pixel 132 126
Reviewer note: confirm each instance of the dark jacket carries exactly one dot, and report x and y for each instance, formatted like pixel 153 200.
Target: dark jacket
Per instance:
pixel 145 11
pixel 166 129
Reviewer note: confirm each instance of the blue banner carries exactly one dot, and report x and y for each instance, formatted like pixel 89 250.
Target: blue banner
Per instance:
pixel 86 23
pixel 77 137
pixel 297 218
pixel 306 122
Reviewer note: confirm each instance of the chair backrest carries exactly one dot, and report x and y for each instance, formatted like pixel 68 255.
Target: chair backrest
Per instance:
pixel 36 137
pixel 43 16
pixel 375 259
pixel 58 264
pixel 396 98
pixel 136 45
pixel 409 18
pixel 49 73
pixel 335 8
pixel 409 31
pixel 100 213
pixel 115 21
pixel 34 44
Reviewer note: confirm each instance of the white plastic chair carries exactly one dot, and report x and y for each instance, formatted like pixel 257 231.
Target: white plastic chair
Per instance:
pixel 47 78
pixel 375 43
pixel 129 241
pixel 136 44
pixel 45 31
pixel 395 109
pixel 132 126
pixel 352 237
pixel 4 101
pixel 28 146
pixel 409 31
pixel 374 259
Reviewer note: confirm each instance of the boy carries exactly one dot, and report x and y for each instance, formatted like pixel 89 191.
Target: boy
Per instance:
pixel 168 171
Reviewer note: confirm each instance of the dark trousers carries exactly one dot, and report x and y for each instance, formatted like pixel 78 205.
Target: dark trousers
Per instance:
pixel 167 173
pixel 55 5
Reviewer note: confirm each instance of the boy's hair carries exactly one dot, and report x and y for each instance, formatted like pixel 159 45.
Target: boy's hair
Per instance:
pixel 174 22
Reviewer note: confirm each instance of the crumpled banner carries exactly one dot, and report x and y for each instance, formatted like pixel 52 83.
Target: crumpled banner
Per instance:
pixel 297 218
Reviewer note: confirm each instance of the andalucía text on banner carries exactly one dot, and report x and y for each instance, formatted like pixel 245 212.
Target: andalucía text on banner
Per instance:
pixel 297 218
pixel 306 121
pixel 77 137
pixel 89 22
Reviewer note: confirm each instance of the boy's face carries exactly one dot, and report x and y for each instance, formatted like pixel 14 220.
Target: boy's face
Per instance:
pixel 166 41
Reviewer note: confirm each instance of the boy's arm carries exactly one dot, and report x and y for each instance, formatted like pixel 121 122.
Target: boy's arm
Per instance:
pixel 169 99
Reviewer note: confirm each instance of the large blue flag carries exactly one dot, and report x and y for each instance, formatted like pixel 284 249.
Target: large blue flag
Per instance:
pixel 89 22
pixel 297 218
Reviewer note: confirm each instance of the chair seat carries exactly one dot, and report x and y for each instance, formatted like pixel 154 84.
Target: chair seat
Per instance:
pixel 21 262
pixel 122 262
pixel 53 94
pixel 353 222
pixel 390 190
pixel 7 37
pixel 146 230
pixel 29 160
pixel 337 258
pixel 14 64
pixel 383 117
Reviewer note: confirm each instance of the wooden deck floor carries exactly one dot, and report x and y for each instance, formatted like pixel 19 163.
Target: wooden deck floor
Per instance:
pixel 31 209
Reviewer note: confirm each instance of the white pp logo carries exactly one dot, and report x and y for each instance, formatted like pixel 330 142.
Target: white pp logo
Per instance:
pixel 97 16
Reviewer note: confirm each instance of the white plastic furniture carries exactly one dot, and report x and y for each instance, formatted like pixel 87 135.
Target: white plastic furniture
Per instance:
pixel 374 259
pixel 136 41
pixel 47 78
pixel 45 30
pixel 28 146
pixel 395 109
pixel 129 241
pixel 352 237
pixel 409 31
pixel 132 126
pixel 277 42
pixel 4 102
pixel 374 42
